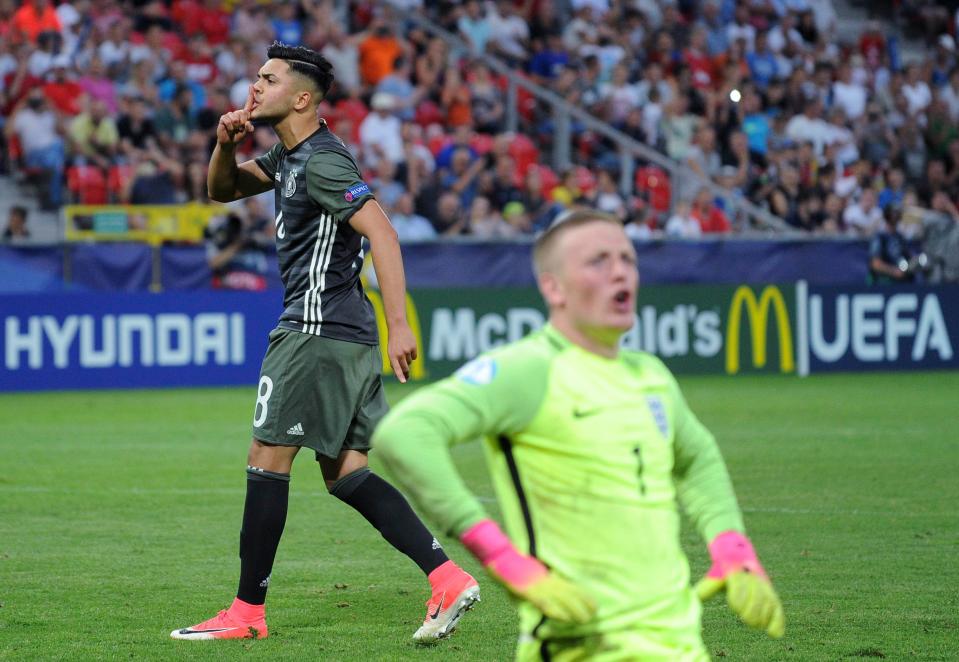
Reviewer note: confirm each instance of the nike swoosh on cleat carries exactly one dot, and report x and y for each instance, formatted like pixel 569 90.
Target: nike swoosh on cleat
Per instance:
pixel 189 631
pixel 436 613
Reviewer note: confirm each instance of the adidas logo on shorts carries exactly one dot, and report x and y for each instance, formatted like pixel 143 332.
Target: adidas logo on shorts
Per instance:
pixel 296 429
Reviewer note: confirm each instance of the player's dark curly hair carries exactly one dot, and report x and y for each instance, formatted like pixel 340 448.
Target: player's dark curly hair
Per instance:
pixel 304 62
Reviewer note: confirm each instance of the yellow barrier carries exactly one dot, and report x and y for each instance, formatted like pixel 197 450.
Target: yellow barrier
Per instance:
pixel 152 224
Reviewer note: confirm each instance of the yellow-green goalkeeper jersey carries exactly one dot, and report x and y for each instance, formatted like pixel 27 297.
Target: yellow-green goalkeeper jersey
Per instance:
pixel 590 459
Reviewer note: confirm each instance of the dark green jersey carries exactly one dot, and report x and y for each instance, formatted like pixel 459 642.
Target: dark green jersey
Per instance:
pixel 318 189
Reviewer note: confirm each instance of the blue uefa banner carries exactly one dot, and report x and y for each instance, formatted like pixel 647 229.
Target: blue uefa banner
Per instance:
pixel 117 340
pixel 892 327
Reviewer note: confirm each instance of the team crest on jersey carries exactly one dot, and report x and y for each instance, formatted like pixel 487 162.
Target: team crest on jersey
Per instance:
pixel 658 410
pixel 478 371
pixel 290 187
pixel 356 191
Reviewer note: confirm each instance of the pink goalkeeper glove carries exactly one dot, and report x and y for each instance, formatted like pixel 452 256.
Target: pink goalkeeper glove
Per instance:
pixel 525 577
pixel 748 589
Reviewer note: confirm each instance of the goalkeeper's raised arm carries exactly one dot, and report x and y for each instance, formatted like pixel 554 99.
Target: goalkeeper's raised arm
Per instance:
pixel 592 450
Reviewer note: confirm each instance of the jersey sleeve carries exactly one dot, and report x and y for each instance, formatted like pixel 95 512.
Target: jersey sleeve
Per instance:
pixel 270 161
pixel 704 488
pixel 334 183
pixel 495 394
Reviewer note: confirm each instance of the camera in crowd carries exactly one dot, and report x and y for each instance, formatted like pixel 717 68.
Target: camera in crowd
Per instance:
pixel 915 265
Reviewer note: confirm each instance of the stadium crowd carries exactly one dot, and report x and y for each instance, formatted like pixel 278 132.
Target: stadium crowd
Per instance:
pixel 104 100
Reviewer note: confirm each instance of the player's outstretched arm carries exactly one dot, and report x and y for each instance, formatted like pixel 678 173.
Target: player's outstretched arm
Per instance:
pixel 737 571
pixel 226 181
pixel 371 222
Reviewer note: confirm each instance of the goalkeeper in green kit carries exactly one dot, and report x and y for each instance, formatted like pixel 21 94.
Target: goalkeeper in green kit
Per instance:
pixel 592 450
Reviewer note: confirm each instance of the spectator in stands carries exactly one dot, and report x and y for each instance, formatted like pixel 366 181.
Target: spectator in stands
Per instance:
pixel 381 132
pixel 848 94
pixel 608 198
pixel 474 26
pixel 174 120
pixel 97 84
pixel 509 33
pixel 456 98
pixel 409 225
pixel 916 90
pixel 682 224
pixel 541 209
pixel 41 59
pixel 93 136
pixel 63 92
pixel 711 218
pixel 504 189
pixel 39 133
pixel 941 239
pixel 786 197
pixel 378 52
pixel 462 176
pixel 34 18
pixel 678 127
pixel 136 130
pixel 342 52
pixel 515 216
pixel 486 106
pixel 251 23
pixel 548 60
pixel 619 95
pixel 155 181
pixel 449 219
pixel 385 184
pixel 894 191
pixel 950 94
pixel 485 223
pixel 16 230
pixel 864 217
pixel 703 159
pixel 178 77
pixel 287 27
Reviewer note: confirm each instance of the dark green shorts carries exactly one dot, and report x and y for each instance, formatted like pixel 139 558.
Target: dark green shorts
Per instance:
pixel 319 393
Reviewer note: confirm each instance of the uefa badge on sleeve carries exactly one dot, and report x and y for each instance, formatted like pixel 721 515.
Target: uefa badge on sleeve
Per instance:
pixel 356 191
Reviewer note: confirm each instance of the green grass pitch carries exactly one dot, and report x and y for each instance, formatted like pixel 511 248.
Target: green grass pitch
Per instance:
pixel 120 512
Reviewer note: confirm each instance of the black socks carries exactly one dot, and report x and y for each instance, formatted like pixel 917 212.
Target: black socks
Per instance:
pixel 387 510
pixel 264 516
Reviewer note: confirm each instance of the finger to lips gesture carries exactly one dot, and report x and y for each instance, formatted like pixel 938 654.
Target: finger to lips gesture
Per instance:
pixel 236 125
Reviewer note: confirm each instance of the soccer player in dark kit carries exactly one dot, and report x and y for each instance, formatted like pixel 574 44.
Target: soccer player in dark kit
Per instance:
pixel 320 385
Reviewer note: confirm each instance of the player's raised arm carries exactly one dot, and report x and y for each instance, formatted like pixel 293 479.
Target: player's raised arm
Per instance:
pixel 226 181
pixel 371 222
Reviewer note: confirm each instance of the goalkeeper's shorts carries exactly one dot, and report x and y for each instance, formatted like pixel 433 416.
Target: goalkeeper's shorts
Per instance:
pixel 617 646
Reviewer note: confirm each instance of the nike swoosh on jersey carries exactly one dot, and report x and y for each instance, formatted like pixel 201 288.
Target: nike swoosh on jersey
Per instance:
pixel 583 413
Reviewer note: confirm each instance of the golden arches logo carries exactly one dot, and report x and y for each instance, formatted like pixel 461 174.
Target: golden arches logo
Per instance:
pixel 758 313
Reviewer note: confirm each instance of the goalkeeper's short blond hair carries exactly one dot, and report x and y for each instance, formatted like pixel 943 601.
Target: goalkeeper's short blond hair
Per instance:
pixel 545 244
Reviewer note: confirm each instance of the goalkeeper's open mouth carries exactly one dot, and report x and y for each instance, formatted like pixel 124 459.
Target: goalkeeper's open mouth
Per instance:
pixel 623 300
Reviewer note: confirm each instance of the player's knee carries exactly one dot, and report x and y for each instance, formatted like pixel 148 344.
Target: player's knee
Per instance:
pixel 343 487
